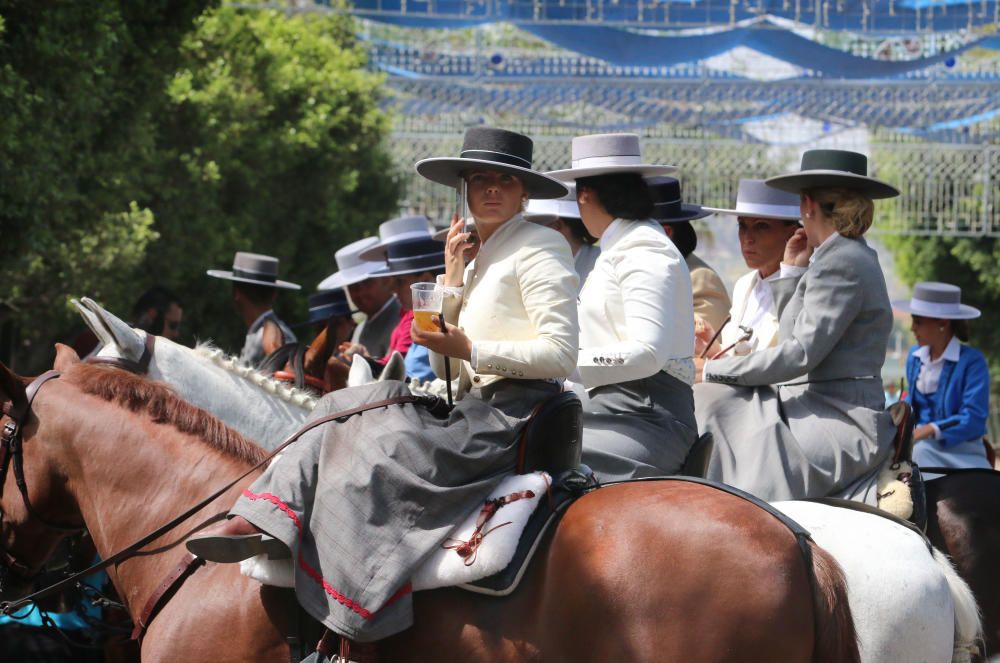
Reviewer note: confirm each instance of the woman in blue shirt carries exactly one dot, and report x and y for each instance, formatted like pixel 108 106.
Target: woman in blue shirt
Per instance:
pixel 949 382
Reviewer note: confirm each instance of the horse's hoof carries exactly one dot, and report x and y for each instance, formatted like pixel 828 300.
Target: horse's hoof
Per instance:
pixel 232 548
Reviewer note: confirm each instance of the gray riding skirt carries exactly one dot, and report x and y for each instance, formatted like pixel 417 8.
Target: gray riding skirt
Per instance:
pixel 640 428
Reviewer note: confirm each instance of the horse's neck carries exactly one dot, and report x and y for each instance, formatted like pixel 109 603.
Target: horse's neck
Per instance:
pixel 136 477
pixel 238 402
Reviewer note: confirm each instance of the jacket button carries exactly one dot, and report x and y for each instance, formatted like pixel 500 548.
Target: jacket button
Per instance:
pixel 489 365
pixel 476 379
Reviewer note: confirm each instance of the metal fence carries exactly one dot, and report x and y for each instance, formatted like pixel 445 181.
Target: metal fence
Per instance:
pixel 947 189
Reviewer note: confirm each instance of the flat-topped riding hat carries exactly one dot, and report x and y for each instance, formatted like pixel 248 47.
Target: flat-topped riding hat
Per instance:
pixel 756 199
pixel 607 154
pixel 413 257
pixel 327 303
pixel 255 269
pixel 563 208
pixel 489 148
pixel 351 268
pixel 394 231
pixel 826 169
pixel 932 299
pixel 667 204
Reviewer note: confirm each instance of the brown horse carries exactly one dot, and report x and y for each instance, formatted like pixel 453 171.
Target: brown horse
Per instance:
pixel 655 571
pixel 963 513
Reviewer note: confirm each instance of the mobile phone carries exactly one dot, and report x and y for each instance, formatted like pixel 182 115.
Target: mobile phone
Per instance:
pixel 462 210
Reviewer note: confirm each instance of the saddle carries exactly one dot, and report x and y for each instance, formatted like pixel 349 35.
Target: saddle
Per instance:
pixel 901 490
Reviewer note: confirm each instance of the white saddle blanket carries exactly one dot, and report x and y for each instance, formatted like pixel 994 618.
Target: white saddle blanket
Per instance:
pixel 446 567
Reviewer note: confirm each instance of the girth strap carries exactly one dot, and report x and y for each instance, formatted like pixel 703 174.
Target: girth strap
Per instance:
pixel 8 607
pixel 188 565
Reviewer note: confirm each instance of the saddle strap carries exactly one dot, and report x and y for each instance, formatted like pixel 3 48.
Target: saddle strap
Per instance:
pixel 7 607
pixel 188 565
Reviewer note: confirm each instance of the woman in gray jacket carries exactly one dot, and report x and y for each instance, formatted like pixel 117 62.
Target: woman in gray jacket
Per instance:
pixel 807 417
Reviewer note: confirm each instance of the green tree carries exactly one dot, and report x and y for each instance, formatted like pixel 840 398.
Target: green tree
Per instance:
pixel 272 141
pixel 78 83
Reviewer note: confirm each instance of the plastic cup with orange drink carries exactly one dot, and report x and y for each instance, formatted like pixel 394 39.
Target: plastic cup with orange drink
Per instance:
pixel 427 300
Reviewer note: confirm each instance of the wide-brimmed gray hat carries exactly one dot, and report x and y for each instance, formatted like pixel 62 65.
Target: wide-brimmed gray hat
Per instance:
pixel 825 169
pixel 394 231
pixel 608 154
pixel 756 199
pixel 564 208
pixel 351 268
pixel 668 207
pixel 932 299
pixel 255 269
pixel 413 256
pixel 489 148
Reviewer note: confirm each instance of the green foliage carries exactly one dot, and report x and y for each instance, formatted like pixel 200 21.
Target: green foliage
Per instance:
pixel 144 142
pixel 272 141
pixel 78 82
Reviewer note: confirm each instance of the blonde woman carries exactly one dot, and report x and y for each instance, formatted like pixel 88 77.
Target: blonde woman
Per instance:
pixel 806 418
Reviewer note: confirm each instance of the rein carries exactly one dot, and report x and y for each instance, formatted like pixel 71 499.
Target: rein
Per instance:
pixel 9 607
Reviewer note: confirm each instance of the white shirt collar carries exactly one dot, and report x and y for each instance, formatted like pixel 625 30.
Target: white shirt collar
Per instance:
pixel 952 352
pixel 497 237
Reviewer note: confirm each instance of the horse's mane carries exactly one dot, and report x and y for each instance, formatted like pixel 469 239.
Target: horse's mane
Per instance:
pixel 281 390
pixel 163 406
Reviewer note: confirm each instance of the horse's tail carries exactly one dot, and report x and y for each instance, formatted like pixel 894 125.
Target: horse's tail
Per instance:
pixel 836 639
pixel 968 626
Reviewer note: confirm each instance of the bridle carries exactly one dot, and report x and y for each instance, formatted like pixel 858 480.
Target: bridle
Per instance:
pixel 139 367
pixel 12 441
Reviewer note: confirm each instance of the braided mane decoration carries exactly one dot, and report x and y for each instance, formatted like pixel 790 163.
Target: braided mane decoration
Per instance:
pixel 282 390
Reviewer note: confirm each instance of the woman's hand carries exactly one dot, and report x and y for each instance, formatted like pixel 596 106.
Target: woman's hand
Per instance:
pixel 455 246
pixel 797 249
pixel 453 344
pixel 924 432
pixel 703 334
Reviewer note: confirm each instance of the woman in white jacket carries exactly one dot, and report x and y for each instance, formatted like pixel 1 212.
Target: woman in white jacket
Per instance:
pixel 636 319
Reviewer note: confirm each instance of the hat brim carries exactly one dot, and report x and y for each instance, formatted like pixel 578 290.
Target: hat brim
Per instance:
pixel 646 170
pixel 344 278
pixel 447 170
pixel 965 312
pixel 689 212
pixel 755 215
pixel 824 179
pixel 228 275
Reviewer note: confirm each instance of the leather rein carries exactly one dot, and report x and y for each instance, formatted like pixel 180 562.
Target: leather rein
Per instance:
pixel 13 443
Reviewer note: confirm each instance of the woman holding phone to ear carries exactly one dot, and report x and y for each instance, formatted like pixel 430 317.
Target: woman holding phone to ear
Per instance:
pixel 380 491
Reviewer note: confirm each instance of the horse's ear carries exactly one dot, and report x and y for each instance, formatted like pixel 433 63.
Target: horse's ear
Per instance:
pixel 129 341
pixel 361 372
pixel 93 322
pixel 11 386
pixel 65 357
pixel 395 368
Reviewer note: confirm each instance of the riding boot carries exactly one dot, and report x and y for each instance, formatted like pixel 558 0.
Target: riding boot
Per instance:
pixel 235 540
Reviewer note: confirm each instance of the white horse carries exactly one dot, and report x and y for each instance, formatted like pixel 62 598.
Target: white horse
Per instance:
pixel 908 602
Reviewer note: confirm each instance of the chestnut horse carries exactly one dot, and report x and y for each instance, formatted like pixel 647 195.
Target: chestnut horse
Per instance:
pixel 650 571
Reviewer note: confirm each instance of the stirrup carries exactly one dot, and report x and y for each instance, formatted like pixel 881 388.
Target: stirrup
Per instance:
pixel 232 548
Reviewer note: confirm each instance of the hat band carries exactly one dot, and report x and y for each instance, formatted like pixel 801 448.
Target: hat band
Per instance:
pixel 669 206
pixel 934 309
pixel 752 209
pixel 326 310
pixel 426 261
pixel 254 276
pixel 499 157
pixel 614 160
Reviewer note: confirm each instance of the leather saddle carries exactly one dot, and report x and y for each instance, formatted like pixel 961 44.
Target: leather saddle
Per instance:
pixel 902 416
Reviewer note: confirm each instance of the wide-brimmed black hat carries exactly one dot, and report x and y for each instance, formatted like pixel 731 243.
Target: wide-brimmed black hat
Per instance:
pixel 412 257
pixel 327 303
pixel 825 169
pixel 667 204
pixel 492 149
pixel 255 269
